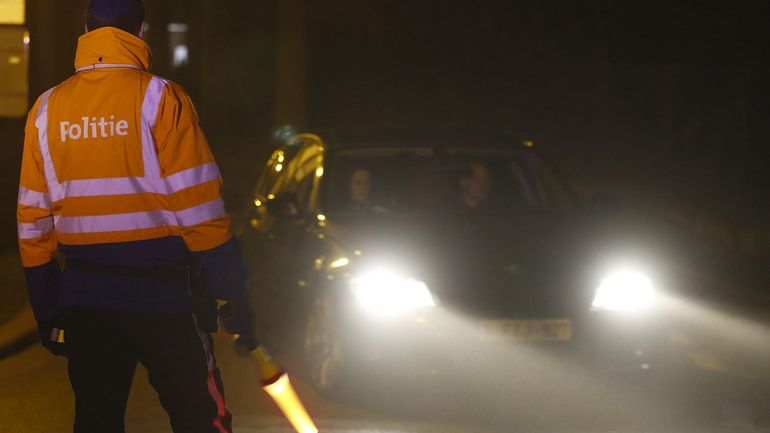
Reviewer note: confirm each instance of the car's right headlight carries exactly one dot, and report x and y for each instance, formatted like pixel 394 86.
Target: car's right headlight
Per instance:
pixel 388 292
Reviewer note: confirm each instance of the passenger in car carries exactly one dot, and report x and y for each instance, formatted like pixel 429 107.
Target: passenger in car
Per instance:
pixel 360 193
pixel 475 185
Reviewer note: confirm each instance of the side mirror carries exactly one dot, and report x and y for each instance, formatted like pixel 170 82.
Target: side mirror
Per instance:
pixel 284 206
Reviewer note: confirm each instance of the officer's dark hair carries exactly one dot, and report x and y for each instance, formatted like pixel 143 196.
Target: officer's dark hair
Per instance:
pixel 130 21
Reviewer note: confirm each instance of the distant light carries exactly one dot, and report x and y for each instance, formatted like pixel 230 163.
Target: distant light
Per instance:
pixel 14 60
pixel 358 252
pixel 342 261
pixel 281 158
pixel 271 196
pixel 284 133
pixel 319 171
pixel 528 143
pixel 12 12
pixel 177 27
pixel 279 167
pixel 257 202
pixel 26 38
pixel 321 217
pixel 181 55
pixel 254 223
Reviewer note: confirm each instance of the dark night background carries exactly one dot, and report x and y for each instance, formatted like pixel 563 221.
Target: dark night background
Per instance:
pixel 663 104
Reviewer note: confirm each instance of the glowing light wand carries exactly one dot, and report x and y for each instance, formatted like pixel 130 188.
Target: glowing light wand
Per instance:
pixel 276 383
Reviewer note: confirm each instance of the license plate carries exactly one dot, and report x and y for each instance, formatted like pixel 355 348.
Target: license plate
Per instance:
pixel 526 330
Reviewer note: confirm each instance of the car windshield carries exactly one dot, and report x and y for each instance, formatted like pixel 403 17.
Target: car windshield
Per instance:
pixel 423 179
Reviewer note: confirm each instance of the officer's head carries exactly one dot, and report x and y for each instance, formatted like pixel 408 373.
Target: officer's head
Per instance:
pixel 127 15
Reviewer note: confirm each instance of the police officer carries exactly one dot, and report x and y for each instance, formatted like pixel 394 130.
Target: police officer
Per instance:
pixel 117 177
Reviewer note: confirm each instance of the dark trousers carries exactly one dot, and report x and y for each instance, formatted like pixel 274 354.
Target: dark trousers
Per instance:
pixel 104 347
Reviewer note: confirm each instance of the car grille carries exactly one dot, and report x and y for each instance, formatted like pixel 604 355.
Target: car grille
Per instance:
pixel 497 294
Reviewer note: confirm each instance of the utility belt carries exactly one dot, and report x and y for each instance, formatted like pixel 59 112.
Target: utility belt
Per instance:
pixel 181 276
pixel 188 277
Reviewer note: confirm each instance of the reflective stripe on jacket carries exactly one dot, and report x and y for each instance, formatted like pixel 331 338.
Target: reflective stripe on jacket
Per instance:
pixel 115 154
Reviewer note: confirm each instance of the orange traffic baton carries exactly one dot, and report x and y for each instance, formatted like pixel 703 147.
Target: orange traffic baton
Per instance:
pixel 276 383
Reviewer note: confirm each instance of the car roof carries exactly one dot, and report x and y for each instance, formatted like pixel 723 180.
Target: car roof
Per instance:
pixel 430 137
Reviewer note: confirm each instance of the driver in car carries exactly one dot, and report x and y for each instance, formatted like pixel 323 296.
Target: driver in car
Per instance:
pixel 475 186
pixel 360 192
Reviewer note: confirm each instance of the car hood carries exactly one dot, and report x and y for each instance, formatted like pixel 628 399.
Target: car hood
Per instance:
pixel 488 264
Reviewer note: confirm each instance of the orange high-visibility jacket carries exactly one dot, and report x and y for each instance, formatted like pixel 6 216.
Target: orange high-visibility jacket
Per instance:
pixel 116 154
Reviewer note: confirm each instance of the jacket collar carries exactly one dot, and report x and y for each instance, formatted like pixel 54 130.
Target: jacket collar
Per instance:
pixel 113 47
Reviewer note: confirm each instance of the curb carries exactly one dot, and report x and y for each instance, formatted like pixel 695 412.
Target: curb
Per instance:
pixel 18 334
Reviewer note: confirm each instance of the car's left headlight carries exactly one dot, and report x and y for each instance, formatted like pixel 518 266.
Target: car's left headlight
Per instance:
pixel 626 290
pixel 388 292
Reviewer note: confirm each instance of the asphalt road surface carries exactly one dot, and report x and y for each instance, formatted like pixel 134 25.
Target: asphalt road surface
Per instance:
pixel 35 396
pixel 722 384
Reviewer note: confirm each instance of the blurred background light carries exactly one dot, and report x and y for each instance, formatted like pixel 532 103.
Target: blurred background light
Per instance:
pixel 12 12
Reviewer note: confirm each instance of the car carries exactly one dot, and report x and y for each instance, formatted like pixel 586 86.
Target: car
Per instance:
pixel 408 252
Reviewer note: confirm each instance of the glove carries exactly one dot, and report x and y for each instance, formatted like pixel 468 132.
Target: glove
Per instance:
pixel 51 335
pixel 236 316
pixel 238 320
pixel 246 342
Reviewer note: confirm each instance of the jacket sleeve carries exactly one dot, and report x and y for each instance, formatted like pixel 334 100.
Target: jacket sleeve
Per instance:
pixel 185 157
pixel 34 218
